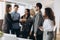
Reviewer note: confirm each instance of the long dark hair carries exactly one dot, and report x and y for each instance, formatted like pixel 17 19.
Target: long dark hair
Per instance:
pixel 50 14
pixel 28 15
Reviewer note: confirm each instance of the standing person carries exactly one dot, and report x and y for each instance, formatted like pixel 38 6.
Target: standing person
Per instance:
pixel 15 17
pixel 48 24
pixel 7 21
pixel 25 23
pixel 32 14
pixel 38 23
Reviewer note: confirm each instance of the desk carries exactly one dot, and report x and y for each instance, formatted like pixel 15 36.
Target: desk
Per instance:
pixel 11 37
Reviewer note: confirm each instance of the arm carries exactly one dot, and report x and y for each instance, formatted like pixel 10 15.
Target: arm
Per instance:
pixel 41 20
pixel 35 25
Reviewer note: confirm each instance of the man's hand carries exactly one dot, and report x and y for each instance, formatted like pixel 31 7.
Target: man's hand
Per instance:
pixel 30 33
pixel 34 34
pixel 24 19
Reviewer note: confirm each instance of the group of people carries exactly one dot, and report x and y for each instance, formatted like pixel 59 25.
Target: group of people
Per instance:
pixel 34 25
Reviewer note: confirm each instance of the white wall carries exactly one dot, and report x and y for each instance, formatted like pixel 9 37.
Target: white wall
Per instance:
pixel 2 10
pixel 57 13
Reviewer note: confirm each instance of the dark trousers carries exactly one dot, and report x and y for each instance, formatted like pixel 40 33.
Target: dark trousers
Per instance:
pixel 32 36
pixel 8 30
pixel 25 34
pixel 16 31
pixel 39 35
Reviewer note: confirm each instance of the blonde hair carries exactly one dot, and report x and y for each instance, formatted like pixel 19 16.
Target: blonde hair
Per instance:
pixel 32 11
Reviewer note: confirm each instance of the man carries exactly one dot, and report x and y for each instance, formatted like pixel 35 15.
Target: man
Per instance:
pixel 7 24
pixel 38 22
pixel 15 17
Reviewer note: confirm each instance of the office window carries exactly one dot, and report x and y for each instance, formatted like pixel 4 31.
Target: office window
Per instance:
pixel 2 10
pixel 21 9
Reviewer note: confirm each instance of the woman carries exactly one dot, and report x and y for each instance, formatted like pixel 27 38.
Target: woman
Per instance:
pixel 25 23
pixel 48 24
pixel 32 14
pixel 7 21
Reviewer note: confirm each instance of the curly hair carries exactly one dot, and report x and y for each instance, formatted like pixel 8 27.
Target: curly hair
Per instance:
pixel 50 14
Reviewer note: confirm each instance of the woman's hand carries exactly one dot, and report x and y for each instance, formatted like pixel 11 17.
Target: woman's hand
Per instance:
pixel 22 20
pixel 41 28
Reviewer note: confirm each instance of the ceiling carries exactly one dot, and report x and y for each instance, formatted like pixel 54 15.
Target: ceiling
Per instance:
pixel 30 2
pixel 33 2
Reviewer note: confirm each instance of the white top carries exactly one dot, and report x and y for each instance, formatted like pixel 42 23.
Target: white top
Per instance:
pixel 48 25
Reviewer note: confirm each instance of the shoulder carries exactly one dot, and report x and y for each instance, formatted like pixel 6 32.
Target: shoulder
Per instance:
pixel 5 16
pixel 18 13
pixel 12 13
pixel 48 21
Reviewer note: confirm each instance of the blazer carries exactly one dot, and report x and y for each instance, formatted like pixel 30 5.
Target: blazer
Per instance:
pixel 40 22
pixel 27 25
pixel 7 23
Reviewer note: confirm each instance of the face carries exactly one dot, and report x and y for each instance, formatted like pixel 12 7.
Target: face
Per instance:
pixel 16 9
pixel 26 12
pixel 45 14
pixel 31 12
pixel 37 8
pixel 10 9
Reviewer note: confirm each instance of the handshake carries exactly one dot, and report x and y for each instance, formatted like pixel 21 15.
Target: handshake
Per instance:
pixel 22 20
